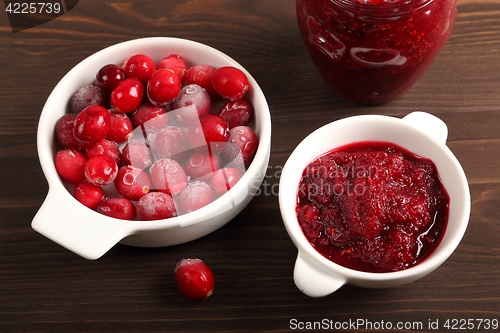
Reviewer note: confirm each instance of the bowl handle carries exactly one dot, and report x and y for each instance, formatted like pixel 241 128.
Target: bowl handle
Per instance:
pixel 314 281
pixel 428 123
pixel 86 234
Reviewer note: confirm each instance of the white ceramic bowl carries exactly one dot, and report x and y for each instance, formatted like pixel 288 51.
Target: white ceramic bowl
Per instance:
pixel 90 234
pixel 421 133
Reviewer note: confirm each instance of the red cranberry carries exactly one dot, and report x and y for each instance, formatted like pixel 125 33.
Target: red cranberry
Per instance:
pixel 151 117
pixel 230 82
pixel 101 170
pixel 121 128
pixel 108 77
pixel 202 76
pixel 194 279
pixel 155 206
pixel 70 165
pixel 105 147
pixel 211 131
pixel 137 154
pixel 201 165
pixel 91 126
pixel 196 195
pixel 192 102
pixel 242 140
pixel 127 95
pixel 87 96
pixel 119 208
pixel 224 179
pixel 237 113
pixel 168 176
pixel 171 142
pixel 64 132
pixel 163 87
pixel 132 182
pixel 88 194
pixel 175 63
pixel 139 67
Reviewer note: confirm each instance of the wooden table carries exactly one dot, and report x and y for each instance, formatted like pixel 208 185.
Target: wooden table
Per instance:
pixel 46 288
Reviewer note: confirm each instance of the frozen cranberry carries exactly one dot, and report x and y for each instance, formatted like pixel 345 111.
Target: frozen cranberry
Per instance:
pixel 163 87
pixel 236 113
pixel 105 147
pixel 64 132
pixel 230 82
pixel 132 182
pixel 140 67
pixel 70 165
pixel 127 95
pixel 196 195
pixel 151 117
pixel 242 140
pixel 101 170
pixel 91 126
pixel 211 131
pixel 168 176
pixel 121 128
pixel 192 102
pixel 171 142
pixel 87 96
pixel 194 279
pixel 108 77
pixel 88 194
pixel 201 75
pixel 201 165
pixel 119 208
pixel 224 179
pixel 155 206
pixel 175 63
pixel 137 154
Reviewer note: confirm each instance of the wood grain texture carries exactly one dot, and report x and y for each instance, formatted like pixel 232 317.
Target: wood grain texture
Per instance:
pixel 45 288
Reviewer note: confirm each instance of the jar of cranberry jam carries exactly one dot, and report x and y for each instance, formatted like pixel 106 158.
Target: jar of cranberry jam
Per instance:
pixel 372 51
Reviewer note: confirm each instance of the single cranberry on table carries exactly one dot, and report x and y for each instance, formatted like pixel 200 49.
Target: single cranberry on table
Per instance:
pixel 108 77
pixel 175 63
pixel 132 182
pixel 211 131
pixel 88 194
pixel 137 154
pixel 192 102
pixel 118 208
pixel 87 96
pixel 237 113
pixel 156 206
pixel 101 170
pixel 168 176
pixel 140 67
pixel 91 126
pixel 70 165
pixel 105 147
pixel 127 95
pixel 230 82
pixel 120 129
pixel 163 87
pixel 372 51
pixel 194 279
pixel 202 76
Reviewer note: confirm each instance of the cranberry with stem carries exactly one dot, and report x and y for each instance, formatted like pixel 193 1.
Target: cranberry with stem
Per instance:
pixel 132 183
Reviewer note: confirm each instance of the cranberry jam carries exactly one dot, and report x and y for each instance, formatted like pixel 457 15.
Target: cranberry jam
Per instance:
pixel 372 51
pixel 372 206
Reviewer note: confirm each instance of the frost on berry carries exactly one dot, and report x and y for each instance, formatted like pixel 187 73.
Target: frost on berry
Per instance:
pixel 194 279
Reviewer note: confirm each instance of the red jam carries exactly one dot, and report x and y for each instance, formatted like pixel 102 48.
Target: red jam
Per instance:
pixel 372 51
pixel 372 206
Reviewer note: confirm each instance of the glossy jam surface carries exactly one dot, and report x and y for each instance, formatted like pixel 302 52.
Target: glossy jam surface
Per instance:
pixel 372 51
pixel 372 206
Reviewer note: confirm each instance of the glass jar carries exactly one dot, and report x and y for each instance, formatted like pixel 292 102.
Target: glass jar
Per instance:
pixel 372 51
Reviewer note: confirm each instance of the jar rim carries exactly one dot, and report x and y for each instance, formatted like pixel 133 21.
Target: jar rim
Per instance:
pixel 392 8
